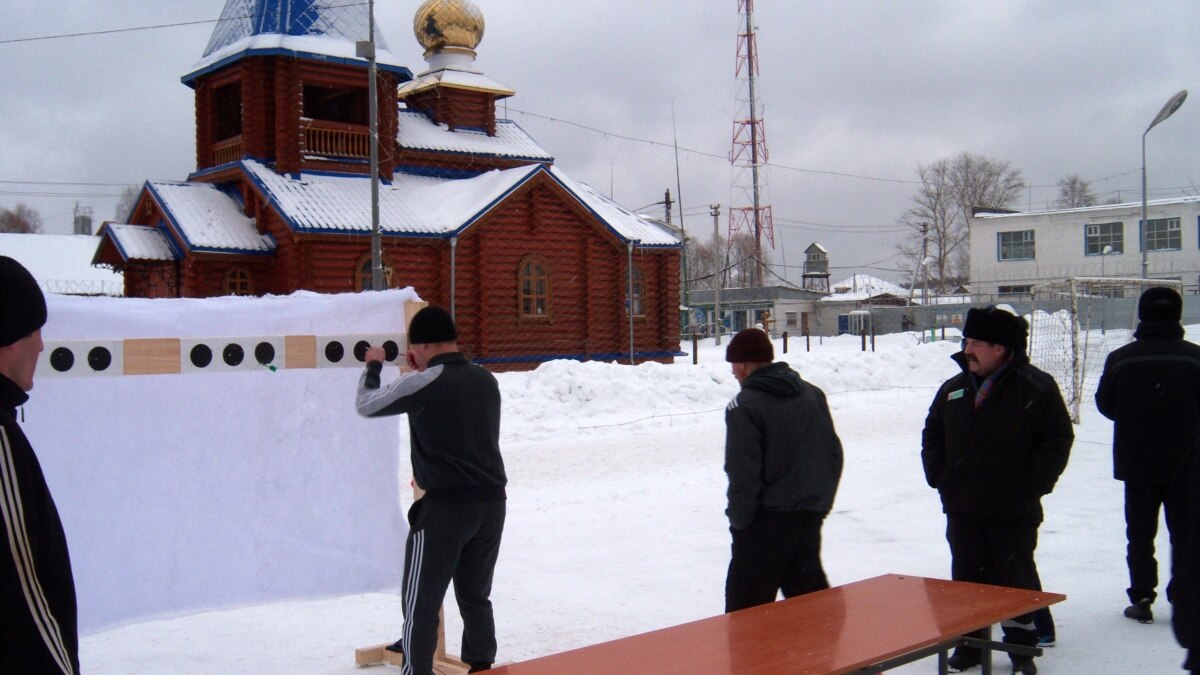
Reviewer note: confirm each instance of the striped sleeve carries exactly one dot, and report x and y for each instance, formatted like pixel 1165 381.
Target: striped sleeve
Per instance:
pixel 12 510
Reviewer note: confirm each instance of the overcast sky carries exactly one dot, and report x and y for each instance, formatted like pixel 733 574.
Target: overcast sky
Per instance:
pixel 856 94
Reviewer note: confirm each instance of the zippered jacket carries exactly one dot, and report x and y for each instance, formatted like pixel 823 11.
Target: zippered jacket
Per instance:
pixel 38 616
pixel 453 409
pixel 781 450
pixel 998 460
pixel 1150 388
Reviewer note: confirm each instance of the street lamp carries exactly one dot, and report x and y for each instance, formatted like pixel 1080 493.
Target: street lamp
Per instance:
pixel 1167 110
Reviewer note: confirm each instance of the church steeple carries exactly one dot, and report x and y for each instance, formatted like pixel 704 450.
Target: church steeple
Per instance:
pixel 452 91
pixel 281 81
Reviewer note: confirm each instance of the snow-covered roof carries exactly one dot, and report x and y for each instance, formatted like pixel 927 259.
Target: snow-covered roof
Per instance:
pixel 1085 209
pixel 141 242
pixel 326 30
pixel 417 132
pixel 470 80
pixel 627 224
pixel 423 205
pixel 62 263
pixel 862 287
pixel 209 219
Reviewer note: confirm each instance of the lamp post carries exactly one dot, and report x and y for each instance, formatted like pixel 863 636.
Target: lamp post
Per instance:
pixel 1167 110
pixel 1103 254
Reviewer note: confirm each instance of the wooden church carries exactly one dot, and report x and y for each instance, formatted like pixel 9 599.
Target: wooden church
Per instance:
pixel 473 213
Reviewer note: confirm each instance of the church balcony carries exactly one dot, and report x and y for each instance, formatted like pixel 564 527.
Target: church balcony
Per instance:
pixel 336 139
pixel 228 150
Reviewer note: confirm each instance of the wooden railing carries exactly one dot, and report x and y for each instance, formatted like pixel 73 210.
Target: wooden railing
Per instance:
pixel 228 150
pixel 333 139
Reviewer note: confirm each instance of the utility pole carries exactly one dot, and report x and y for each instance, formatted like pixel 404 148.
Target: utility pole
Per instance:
pixel 715 212
pixel 925 273
pixel 366 48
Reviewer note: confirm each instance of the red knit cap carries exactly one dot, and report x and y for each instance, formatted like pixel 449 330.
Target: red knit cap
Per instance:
pixel 750 346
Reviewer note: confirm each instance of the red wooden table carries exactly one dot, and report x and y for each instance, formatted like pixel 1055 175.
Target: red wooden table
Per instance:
pixel 865 626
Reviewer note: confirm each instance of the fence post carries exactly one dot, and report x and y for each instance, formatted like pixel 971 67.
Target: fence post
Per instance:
pixel 695 349
pixel 863 334
pixel 807 342
pixel 785 338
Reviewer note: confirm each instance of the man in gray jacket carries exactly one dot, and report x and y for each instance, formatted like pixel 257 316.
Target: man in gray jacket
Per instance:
pixel 784 462
pixel 453 409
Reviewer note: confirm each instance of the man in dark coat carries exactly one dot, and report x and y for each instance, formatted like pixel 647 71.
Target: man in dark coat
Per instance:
pixel 453 409
pixel 1184 589
pixel 784 462
pixel 1150 388
pixel 996 439
pixel 38 632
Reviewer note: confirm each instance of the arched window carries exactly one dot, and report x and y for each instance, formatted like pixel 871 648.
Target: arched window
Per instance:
pixel 238 282
pixel 533 287
pixel 637 292
pixel 362 280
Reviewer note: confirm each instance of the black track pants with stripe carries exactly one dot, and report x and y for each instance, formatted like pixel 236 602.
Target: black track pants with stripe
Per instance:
pixel 457 542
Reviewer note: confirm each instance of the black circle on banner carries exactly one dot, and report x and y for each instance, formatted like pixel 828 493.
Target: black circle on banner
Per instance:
pixel 264 353
pixel 334 351
pixel 201 356
pixel 233 355
pixel 99 359
pixel 360 350
pixel 61 359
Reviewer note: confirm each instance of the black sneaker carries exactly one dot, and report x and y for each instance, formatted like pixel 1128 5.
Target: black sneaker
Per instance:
pixel 1023 665
pixel 397 646
pixel 963 659
pixel 1046 641
pixel 1140 611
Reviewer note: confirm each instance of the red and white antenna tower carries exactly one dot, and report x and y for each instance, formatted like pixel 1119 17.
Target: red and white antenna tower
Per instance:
pixel 749 153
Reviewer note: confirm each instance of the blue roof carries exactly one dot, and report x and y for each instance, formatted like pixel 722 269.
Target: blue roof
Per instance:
pixel 314 29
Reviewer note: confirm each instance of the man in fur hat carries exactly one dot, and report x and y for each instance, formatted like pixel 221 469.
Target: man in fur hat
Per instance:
pixel 38 631
pixel 784 461
pixel 996 439
pixel 1150 388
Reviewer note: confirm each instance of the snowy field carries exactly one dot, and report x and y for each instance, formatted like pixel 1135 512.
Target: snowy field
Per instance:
pixel 616 525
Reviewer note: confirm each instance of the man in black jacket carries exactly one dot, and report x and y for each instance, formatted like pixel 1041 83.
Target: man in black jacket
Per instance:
pixel 1184 589
pixel 38 632
pixel 784 462
pixel 1150 388
pixel 453 409
pixel 996 439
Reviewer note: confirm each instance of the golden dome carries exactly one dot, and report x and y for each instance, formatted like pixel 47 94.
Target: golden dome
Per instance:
pixel 442 24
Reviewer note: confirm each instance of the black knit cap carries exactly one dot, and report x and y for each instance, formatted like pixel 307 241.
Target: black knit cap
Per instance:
pixel 1160 304
pixel 994 325
pixel 22 305
pixel 750 346
pixel 431 324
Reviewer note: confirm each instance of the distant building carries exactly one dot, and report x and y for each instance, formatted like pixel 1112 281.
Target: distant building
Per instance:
pixel 816 268
pixel 473 213
pixel 1013 252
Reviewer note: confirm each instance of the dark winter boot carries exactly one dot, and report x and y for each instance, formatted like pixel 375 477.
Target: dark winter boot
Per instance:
pixel 1023 665
pixel 397 646
pixel 962 659
pixel 1140 611
pixel 479 667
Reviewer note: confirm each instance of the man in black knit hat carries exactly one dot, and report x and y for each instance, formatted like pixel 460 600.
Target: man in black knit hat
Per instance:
pixel 784 462
pixel 453 409
pixel 996 439
pixel 38 632
pixel 1150 388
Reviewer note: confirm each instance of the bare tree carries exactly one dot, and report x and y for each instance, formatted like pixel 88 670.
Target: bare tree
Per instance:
pixel 1074 192
pixel 704 261
pixel 21 219
pixel 744 262
pixel 125 203
pixel 950 189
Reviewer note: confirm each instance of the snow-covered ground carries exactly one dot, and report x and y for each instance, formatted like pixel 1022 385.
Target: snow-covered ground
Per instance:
pixel 616 525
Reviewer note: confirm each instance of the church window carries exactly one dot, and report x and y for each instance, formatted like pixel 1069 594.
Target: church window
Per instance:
pixel 533 284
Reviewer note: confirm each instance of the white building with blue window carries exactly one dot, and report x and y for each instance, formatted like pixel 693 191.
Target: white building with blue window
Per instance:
pixel 1013 252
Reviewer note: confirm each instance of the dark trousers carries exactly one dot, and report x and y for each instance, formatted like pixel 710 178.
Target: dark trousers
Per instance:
pixel 457 542
pixel 779 552
pixel 1142 504
pixel 999 552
